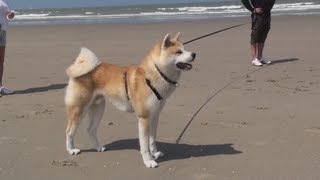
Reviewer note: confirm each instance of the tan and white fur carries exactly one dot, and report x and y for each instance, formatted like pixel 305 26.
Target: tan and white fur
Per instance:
pixel 92 81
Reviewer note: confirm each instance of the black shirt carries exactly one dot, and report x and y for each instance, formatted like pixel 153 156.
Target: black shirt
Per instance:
pixel 266 5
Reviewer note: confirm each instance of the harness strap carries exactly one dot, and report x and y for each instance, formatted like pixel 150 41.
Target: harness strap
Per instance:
pixel 148 82
pixel 153 89
pixel 126 85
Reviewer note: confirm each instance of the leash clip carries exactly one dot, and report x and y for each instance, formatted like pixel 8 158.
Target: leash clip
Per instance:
pixel 177 84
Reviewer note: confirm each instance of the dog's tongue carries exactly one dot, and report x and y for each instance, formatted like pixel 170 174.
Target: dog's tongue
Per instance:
pixel 188 66
pixel 184 66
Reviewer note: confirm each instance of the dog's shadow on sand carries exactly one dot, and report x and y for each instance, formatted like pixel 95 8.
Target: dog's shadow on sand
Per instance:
pixel 174 151
pixel 41 89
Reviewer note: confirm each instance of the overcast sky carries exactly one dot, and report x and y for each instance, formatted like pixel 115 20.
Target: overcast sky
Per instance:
pixel 26 4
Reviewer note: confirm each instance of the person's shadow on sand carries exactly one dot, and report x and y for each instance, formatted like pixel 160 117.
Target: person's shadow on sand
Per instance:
pixel 174 151
pixel 283 61
pixel 41 89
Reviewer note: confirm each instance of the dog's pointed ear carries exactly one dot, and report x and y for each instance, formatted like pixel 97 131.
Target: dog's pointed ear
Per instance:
pixel 166 42
pixel 177 37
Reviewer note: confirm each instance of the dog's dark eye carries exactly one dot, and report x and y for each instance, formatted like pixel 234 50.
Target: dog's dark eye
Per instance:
pixel 179 52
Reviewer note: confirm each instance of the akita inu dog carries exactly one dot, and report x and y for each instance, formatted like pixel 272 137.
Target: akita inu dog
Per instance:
pixel 142 89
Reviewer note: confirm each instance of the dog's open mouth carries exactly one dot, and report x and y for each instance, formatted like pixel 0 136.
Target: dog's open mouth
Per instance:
pixel 184 66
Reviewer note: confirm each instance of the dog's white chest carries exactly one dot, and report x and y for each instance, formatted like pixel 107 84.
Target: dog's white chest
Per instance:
pixel 121 105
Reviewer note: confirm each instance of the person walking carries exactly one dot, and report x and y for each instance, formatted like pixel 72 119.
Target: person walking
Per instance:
pixel 5 14
pixel 260 26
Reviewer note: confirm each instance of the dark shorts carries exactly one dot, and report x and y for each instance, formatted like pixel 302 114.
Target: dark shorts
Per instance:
pixel 260 27
pixel 3 39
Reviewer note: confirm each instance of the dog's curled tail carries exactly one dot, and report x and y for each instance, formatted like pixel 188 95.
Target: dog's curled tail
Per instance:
pixel 85 63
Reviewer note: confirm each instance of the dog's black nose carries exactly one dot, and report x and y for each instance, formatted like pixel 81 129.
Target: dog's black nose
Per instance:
pixel 193 55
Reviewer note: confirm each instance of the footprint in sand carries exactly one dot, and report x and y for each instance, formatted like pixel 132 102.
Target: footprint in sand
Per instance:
pixel 261 108
pixel 65 163
pixel 12 140
pixel 44 112
pixel 250 89
pixel 250 80
pixel 302 88
pixel 272 80
pixel 314 130
pixel 238 124
pixel 20 116
pixel 220 112
pixel 311 69
pixel 313 83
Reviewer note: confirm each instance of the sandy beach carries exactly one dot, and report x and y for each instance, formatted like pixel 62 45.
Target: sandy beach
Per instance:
pixel 262 125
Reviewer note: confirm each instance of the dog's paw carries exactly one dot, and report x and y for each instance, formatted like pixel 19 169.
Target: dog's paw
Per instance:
pixel 157 155
pixel 100 148
pixel 151 164
pixel 73 151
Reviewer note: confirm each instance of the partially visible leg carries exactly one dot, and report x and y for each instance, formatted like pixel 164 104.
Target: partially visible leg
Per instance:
pixel 254 53
pixel 260 50
pixel 263 34
pixel 253 48
pixel 144 130
pixel 253 37
pixel 95 115
pixel 2 53
pixel 75 114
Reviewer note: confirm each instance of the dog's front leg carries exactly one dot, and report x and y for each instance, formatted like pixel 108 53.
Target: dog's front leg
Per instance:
pixel 144 132
pixel 153 136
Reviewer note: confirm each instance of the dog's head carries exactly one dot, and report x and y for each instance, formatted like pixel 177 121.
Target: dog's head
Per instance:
pixel 172 53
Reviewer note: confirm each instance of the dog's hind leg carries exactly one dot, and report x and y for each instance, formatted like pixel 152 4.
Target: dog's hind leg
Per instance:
pixel 95 114
pixel 75 114
pixel 144 132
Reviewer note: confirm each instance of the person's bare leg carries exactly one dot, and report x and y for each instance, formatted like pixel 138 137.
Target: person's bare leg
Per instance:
pixel 253 48
pixel 254 53
pixel 260 50
pixel 2 51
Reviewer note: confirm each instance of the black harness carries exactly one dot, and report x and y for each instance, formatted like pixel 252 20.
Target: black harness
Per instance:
pixel 148 82
pixel 126 85
pixel 154 90
pixel 175 83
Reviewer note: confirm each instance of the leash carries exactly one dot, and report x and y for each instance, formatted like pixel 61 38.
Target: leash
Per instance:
pixel 210 98
pixel 220 90
pixel 216 32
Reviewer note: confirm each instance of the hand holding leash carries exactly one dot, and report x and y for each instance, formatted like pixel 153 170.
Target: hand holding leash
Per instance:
pixel 10 15
pixel 258 10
